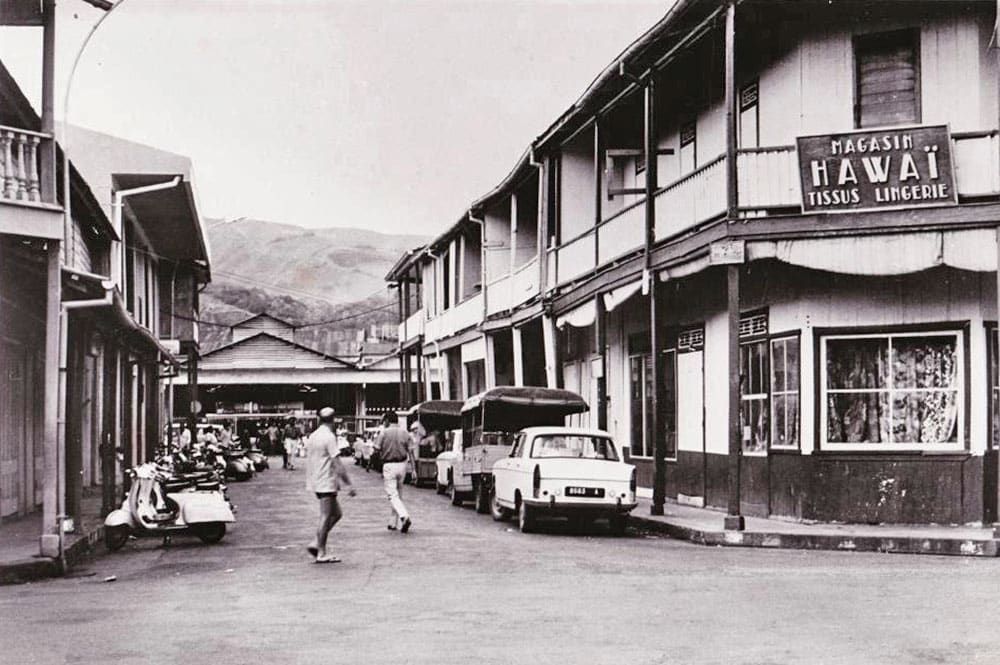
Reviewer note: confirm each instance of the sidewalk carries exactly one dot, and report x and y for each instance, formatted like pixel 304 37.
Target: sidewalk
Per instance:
pixel 19 558
pixel 704 526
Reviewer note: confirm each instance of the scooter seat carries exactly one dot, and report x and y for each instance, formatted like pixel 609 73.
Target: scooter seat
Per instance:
pixel 178 485
pixel 208 486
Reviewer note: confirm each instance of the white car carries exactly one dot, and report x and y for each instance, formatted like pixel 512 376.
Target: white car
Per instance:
pixel 446 463
pixel 560 471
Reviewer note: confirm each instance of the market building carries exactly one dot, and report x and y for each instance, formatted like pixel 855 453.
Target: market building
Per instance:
pixel 763 245
pixel 264 369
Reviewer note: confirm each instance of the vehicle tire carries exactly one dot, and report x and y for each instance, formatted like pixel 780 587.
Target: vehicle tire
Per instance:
pixel 456 498
pixel 210 532
pixel 525 518
pixel 441 489
pixel 617 524
pixel 482 499
pixel 115 537
pixel 497 512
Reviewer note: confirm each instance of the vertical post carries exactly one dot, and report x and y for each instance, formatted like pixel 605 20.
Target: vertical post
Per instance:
pixel 651 144
pixel 47 149
pixel 995 499
pixel 49 544
pixel 598 187
pixel 734 520
pixel 515 337
pixel 601 342
pixel 551 360
pixel 400 354
pixel 732 191
pixel 421 395
pixel 193 405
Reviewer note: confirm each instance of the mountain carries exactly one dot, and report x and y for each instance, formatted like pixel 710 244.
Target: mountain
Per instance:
pixel 303 276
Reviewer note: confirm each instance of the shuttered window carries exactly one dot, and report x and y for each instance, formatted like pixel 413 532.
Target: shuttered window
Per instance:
pixel 888 79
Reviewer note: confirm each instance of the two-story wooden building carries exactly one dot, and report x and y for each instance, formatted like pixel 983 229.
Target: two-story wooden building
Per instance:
pixel 764 246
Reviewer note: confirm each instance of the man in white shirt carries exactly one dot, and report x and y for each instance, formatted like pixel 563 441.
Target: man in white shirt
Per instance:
pixel 325 476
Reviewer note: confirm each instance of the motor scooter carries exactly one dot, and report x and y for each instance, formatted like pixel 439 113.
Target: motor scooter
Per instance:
pixel 151 509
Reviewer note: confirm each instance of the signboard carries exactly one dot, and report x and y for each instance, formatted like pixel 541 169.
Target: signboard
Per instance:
pixel 727 252
pixel 865 170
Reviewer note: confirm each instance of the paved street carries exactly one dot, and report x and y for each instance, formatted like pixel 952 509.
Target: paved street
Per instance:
pixel 462 589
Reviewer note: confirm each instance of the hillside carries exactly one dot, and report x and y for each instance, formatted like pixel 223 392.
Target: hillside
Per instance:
pixel 301 275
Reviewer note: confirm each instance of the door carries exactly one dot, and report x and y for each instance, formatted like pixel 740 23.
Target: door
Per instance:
pixel 13 421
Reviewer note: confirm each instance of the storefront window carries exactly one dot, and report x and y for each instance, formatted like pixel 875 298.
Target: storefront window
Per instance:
pixel 641 385
pixel 892 391
pixel 754 409
pixel 785 393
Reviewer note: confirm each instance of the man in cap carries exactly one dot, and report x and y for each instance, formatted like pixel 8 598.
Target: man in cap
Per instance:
pixel 325 476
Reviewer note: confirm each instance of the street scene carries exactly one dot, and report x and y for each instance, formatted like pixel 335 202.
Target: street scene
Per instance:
pixel 647 331
pixel 460 587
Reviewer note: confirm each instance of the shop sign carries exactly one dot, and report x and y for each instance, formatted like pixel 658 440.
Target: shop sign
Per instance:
pixel 727 252
pixel 894 168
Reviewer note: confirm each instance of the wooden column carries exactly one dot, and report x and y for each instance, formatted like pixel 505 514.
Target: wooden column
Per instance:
pixel 515 338
pixel 995 499
pixel 192 370
pixel 598 187
pixel 402 364
pixel 733 520
pixel 601 342
pixel 47 148
pixel 49 542
pixel 651 141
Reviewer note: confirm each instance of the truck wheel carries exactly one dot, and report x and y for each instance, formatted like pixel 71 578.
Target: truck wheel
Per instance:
pixel 525 518
pixel 115 537
pixel 482 498
pixel 441 489
pixel 617 523
pixel 210 532
pixel 456 498
pixel 497 512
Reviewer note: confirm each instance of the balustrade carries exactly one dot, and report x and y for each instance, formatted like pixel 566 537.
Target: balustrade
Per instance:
pixel 19 164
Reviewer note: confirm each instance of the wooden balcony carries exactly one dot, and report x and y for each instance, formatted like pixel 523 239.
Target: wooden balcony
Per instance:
pixel 768 182
pixel 464 315
pixel 27 187
pixel 412 327
pixel 509 291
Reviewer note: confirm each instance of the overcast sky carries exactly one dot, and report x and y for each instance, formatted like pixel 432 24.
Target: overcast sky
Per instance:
pixel 391 116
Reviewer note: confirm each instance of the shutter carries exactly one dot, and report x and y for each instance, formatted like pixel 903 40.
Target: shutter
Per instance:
pixel 887 79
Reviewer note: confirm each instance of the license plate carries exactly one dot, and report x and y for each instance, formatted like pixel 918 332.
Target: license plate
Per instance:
pixel 587 492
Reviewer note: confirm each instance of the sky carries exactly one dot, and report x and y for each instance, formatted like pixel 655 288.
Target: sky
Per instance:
pixel 390 116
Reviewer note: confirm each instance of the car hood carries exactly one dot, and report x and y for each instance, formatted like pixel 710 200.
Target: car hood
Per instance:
pixel 583 469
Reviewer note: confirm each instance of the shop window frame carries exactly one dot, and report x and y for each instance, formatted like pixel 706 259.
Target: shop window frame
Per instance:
pixel 960 330
pixel 785 337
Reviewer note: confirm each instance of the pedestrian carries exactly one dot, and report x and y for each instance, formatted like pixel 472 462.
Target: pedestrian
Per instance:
pixel 292 438
pixel 274 441
pixel 395 449
pixel 325 476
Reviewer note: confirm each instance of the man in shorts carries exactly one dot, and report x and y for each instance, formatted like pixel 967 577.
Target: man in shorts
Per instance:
pixel 325 476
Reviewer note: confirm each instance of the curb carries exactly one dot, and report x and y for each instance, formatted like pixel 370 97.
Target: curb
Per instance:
pixel 39 568
pixel 830 542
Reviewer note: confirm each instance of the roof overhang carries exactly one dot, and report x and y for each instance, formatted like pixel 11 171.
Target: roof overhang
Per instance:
pixel 168 217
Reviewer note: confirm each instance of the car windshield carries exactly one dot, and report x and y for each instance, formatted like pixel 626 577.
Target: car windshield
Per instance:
pixel 575 446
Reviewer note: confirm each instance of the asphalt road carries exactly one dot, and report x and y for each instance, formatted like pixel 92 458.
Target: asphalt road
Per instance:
pixel 461 588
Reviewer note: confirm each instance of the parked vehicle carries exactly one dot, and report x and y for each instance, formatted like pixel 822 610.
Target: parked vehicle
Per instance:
pixel 155 506
pixel 567 472
pixel 445 463
pixel 489 422
pixel 430 422
pixel 257 458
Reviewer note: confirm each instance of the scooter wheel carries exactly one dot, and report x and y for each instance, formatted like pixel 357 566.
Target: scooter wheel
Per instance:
pixel 115 537
pixel 210 532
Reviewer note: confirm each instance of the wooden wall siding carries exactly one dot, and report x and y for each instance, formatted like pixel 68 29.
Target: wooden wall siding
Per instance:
pixel 79 255
pixel 755 497
pixel 262 324
pixel 266 353
pixel 14 415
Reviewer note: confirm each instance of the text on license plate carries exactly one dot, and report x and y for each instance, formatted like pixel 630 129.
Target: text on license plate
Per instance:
pixel 592 492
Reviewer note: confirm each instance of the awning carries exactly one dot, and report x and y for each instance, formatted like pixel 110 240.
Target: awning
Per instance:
pixel 974 250
pixel 684 269
pixel 617 296
pixel 169 217
pixel 582 316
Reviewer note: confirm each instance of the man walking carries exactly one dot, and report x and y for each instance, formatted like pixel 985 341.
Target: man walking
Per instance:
pixel 292 437
pixel 325 475
pixel 395 449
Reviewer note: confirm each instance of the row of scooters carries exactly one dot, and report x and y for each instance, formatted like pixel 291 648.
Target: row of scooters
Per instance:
pixel 183 491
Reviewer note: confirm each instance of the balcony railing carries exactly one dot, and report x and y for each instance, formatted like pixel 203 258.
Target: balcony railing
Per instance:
pixel 695 198
pixel 498 295
pixel 412 327
pixel 524 283
pixel 768 179
pixel 622 233
pixel 20 176
pixel 464 315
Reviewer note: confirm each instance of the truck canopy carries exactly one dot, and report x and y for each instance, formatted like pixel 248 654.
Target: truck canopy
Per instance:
pixel 512 408
pixel 436 415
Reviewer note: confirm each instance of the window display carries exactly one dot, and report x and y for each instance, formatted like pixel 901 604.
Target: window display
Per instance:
pixel 898 391
pixel 785 393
